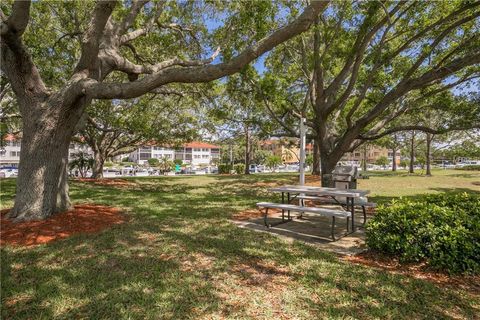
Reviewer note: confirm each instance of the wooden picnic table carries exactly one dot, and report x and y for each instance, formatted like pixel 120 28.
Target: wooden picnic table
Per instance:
pixel 349 194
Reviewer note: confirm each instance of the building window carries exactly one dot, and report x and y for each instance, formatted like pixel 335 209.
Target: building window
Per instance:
pixel 205 156
pixel 357 154
pixel 14 153
pixel 197 149
pixel 197 156
pixel 14 143
pixel 145 155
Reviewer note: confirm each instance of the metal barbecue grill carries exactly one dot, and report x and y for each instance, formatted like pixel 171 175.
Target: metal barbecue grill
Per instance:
pixel 345 177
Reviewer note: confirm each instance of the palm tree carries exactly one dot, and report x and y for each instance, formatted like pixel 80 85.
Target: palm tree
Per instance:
pixel 165 164
pixel 82 161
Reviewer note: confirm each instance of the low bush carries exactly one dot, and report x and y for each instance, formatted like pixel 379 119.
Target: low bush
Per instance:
pixel 224 168
pixel 443 230
pixel 239 168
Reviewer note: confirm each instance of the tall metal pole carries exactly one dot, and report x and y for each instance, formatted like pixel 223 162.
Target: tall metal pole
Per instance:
pixel 231 157
pixel 302 151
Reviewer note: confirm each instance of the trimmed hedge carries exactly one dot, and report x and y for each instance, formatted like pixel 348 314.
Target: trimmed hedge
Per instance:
pixel 443 230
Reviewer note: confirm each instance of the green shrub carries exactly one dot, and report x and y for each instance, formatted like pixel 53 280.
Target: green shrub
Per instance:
pixel 153 162
pixel 443 230
pixel 470 167
pixel 224 168
pixel 239 168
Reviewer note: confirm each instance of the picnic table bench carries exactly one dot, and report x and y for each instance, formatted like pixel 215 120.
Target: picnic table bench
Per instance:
pixel 315 210
pixel 342 201
pixel 346 198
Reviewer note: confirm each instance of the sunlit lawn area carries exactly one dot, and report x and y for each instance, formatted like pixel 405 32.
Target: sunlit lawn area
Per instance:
pixel 179 257
pixel 387 185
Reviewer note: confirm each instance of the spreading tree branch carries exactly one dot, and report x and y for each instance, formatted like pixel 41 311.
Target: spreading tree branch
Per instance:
pixel 208 72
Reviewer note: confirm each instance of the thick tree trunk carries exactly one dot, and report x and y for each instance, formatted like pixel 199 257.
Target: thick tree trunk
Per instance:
pixel 328 165
pixel 328 161
pixel 316 159
pixel 394 158
pixel 247 151
pixel 98 161
pixel 42 186
pixel 328 157
pixel 412 152
pixel 428 154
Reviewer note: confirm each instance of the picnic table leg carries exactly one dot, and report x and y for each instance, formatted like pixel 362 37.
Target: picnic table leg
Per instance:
pixel 288 201
pixel 352 210
pixel 265 218
pixel 283 211
pixel 364 215
pixel 333 228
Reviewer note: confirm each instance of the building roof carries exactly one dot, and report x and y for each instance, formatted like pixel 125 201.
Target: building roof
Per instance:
pixel 199 144
pixel 268 142
pixel 193 144
pixel 12 137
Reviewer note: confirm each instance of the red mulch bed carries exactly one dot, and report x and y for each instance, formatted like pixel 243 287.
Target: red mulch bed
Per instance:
pixel 115 182
pixel 415 270
pixel 84 218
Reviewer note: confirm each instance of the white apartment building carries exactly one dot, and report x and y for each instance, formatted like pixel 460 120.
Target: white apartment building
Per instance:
pixel 193 153
pixel 11 145
pixel 10 152
pixel 142 154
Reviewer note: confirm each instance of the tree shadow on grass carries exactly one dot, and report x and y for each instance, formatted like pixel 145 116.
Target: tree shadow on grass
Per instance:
pixel 178 257
pixel 366 293
pixel 113 275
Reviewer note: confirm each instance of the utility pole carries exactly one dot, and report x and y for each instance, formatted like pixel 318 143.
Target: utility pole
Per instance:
pixel 231 157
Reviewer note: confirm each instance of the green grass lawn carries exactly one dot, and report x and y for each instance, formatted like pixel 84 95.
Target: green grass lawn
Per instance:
pixel 178 257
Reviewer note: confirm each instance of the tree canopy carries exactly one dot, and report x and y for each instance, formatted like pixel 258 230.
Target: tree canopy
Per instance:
pixel 364 64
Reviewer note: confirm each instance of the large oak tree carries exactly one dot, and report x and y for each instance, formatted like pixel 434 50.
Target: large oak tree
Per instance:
pixel 137 39
pixel 350 74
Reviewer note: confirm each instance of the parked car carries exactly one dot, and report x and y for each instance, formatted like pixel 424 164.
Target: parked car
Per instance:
pixel 9 172
pixel 141 173
pixel 110 172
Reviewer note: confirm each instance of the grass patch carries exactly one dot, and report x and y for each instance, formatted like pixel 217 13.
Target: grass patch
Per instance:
pixel 179 257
